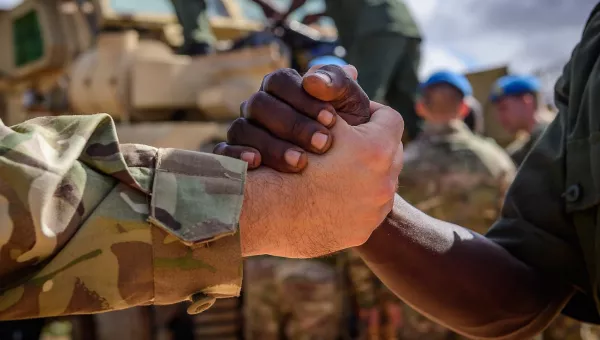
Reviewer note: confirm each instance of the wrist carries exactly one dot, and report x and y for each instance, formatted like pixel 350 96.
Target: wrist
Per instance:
pixel 258 214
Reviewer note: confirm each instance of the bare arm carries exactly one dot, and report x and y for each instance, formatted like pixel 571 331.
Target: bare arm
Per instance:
pixel 444 270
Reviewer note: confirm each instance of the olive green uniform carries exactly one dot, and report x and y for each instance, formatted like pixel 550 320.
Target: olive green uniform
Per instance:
pixel 383 42
pixel 551 214
pixel 193 17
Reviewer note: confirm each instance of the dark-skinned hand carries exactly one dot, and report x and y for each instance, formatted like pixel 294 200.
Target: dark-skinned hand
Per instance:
pixel 292 114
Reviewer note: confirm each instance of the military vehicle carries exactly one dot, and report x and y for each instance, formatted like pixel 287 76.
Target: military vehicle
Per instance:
pixel 117 56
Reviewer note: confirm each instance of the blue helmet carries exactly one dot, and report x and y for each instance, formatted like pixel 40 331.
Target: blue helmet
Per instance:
pixel 327 60
pixel 454 79
pixel 514 85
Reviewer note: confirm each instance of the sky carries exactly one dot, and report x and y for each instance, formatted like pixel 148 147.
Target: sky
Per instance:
pixel 465 35
pixel 525 34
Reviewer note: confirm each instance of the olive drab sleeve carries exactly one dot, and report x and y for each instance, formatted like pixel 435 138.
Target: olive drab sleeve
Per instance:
pixel 89 225
pixel 550 216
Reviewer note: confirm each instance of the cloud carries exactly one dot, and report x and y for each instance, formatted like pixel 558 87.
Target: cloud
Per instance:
pixel 436 58
pixel 527 34
pixel 6 4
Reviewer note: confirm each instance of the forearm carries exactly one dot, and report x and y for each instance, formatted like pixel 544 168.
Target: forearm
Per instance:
pixel 457 277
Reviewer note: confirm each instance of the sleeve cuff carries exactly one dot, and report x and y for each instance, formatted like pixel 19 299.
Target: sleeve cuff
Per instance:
pixel 196 200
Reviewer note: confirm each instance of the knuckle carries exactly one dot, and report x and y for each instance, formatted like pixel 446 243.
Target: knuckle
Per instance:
pixel 300 129
pixel 220 148
pixel 274 80
pixel 253 105
pixel 380 154
pixel 385 191
pixel 236 130
pixel 397 119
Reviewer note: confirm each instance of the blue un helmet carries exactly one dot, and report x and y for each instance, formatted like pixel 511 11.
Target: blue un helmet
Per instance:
pixel 457 80
pixel 327 60
pixel 514 85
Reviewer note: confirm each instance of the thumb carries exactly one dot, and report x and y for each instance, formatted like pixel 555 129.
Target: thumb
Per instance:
pixel 338 86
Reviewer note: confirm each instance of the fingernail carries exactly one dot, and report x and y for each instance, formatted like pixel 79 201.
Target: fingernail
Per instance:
pixel 292 157
pixel 326 78
pixel 248 157
pixel 319 140
pixel 325 117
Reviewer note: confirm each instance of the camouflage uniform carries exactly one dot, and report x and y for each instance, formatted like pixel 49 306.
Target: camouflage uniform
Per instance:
pixel 455 176
pixel 89 225
pixel 519 148
pixel 292 299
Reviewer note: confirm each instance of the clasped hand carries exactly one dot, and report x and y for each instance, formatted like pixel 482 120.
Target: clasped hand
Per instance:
pixel 348 167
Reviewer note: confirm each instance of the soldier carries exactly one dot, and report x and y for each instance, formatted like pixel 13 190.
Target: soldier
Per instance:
pixel 475 120
pixel 383 41
pixel 540 257
pixel 451 174
pixel 89 225
pixel 516 103
pixel 198 38
pixel 292 299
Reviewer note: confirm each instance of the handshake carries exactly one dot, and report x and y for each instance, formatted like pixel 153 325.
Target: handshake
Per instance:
pixel 347 148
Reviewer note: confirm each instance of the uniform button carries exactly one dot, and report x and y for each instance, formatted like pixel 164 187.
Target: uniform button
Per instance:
pixel 573 193
pixel 200 303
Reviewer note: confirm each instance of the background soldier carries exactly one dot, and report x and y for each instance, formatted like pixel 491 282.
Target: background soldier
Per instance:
pixel 453 175
pixel 383 42
pixel 292 299
pixel 198 38
pixel 516 102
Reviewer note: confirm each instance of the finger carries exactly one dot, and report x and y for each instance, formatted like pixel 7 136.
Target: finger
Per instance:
pixel 398 162
pixel 332 84
pixel 350 70
pixel 244 153
pixel 374 106
pixel 387 123
pixel 286 85
pixel 282 121
pixel 275 153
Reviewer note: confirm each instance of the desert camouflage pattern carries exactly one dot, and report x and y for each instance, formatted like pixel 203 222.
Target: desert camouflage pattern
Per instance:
pixel 453 175
pixel 456 176
pixel 382 316
pixel 292 299
pixel 520 147
pixel 90 225
pixel 380 312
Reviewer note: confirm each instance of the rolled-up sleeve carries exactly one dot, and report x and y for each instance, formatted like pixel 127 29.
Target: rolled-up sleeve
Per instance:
pixel 90 225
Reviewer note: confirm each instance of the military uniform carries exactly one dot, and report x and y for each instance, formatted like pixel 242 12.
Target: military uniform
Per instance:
pixel 455 176
pixel 292 299
pixel 562 327
pixel 89 225
pixel 197 33
pixel 518 149
pixel 550 216
pixel 383 41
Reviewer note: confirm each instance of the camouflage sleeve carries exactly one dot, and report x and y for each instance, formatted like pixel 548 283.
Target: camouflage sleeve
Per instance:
pixel 89 225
